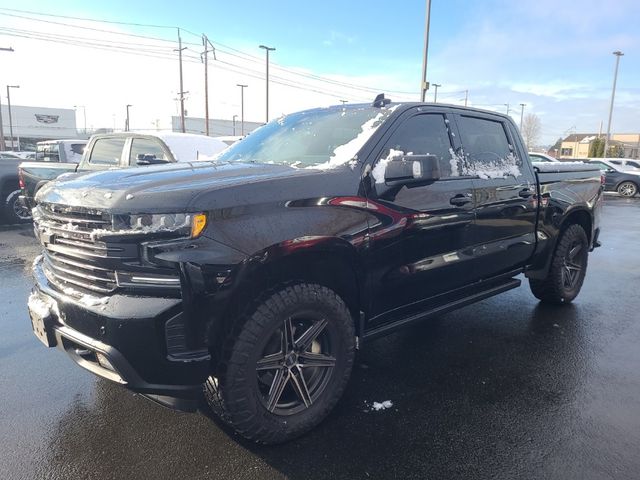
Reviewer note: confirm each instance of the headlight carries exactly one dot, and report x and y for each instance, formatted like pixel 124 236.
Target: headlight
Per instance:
pixel 191 224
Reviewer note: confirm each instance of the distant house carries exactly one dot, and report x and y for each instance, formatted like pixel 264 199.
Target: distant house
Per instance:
pixel 577 145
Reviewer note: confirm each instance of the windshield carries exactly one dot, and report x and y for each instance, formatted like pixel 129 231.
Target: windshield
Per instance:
pixel 322 138
pixel 47 152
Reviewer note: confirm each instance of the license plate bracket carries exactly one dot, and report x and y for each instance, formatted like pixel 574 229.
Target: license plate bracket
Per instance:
pixel 41 314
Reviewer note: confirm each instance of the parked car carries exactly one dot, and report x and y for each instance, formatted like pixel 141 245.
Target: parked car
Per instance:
pixel 25 154
pixel 625 181
pixel 541 157
pixel 12 209
pixel 8 155
pixel 260 274
pixel 626 163
pixel 118 150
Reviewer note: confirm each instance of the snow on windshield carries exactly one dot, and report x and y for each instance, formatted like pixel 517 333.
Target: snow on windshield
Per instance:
pixel 347 152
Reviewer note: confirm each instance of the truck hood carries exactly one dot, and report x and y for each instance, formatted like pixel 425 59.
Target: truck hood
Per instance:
pixel 181 187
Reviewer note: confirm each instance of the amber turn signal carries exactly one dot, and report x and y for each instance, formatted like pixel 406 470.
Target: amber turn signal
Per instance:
pixel 198 224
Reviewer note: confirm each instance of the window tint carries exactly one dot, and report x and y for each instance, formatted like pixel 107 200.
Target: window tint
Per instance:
pixel 107 151
pixel 488 153
pixel 78 148
pixel 148 147
pixel 423 135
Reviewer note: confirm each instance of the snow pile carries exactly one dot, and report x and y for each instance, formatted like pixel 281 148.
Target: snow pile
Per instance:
pixel 381 166
pixel 37 305
pixel 88 300
pixel 377 406
pixel 558 167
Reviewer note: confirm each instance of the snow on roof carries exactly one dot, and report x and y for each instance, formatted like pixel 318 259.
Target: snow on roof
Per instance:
pixel 187 147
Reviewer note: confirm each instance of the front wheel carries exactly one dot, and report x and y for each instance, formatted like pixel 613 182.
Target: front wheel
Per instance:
pixel 15 210
pixel 567 270
pixel 627 189
pixel 288 365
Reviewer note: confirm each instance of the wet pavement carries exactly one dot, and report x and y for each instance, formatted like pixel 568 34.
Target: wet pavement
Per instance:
pixel 506 388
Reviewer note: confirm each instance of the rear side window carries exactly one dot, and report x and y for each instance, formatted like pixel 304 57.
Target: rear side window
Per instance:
pixel 487 151
pixel 78 148
pixel 107 151
pixel 141 147
pixel 423 135
pixel 47 153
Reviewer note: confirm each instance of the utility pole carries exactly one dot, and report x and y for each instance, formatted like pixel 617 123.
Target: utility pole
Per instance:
pixel 182 92
pixel 267 49
pixel 2 145
pixel 344 101
pixel 126 123
pixel 234 125
pixel 618 54
pixel 13 148
pixel 424 86
pixel 507 105
pixel 206 43
pixel 84 114
pixel 522 105
pixel 435 93
pixel 242 87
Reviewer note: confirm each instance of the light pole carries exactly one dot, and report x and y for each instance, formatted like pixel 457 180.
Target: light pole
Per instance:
pixel 2 146
pixel 84 115
pixel 267 49
pixel 10 119
pixel 424 86
pixel 126 123
pixel 242 87
pixel 522 105
pixel 435 93
pixel 618 54
pixel 507 105
pixel 234 125
pixel 344 101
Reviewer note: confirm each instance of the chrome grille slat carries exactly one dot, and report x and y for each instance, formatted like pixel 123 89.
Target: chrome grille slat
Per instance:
pixel 89 286
pixel 67 261
pixel 67 271
pixel 73 220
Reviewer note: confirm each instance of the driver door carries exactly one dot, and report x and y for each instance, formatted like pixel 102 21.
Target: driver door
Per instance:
pixel 420 240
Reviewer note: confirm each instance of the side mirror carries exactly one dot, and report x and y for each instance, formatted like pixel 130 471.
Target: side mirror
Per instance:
pixel 412 169
pixel 148 159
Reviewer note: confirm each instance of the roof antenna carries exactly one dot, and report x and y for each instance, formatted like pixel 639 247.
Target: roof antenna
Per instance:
pixel 380 101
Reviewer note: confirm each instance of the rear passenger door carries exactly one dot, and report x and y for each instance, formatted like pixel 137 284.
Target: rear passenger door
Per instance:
pixel 504 190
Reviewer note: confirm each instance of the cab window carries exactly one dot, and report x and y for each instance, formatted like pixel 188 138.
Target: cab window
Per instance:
pixel 107 151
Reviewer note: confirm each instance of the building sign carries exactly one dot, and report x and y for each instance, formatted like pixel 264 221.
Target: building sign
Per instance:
pixel 46 118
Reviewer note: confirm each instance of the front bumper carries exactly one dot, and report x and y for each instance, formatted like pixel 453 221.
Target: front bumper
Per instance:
pixel 123 339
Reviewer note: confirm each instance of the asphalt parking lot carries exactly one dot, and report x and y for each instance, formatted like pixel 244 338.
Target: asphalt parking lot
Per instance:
pixel 506 388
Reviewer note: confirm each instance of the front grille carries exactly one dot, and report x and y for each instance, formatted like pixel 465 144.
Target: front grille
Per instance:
pixel 73 259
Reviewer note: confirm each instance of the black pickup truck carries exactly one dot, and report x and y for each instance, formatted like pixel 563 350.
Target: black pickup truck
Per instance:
pixel 258 275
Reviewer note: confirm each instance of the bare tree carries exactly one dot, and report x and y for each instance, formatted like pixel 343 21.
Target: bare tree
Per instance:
pixel 531 130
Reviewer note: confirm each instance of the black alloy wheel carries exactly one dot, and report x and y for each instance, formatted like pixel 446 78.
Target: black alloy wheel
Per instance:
pixel 286 365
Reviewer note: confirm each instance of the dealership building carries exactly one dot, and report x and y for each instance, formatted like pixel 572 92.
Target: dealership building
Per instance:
pixel 35 124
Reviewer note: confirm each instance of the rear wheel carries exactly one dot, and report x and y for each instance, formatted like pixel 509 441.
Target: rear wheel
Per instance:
pixel 568 268
pixel 627 189
pixel 288 365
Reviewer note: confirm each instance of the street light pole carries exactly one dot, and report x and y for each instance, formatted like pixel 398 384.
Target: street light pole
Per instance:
pixel 435 93
pixel 242 87
pixel 234 125
pixel 522 105
pixel 267 49
pixel 126 123
pixel 84 115
pixel 507 105
pixel 2 146
pixel 10 119
pixel 618 54
pixel 424 86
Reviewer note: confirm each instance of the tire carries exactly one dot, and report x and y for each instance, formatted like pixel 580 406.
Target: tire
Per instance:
pixel 627 189
pixel 269 397
pixel 567 270
pixel 15 210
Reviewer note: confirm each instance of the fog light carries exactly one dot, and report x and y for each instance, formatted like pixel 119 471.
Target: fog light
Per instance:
pixel 104 361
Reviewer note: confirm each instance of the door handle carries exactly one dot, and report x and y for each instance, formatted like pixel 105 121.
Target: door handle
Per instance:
pixel 460 200
pixel 526 193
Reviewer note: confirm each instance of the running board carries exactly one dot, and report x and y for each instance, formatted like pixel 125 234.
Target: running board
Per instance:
pixel 442 309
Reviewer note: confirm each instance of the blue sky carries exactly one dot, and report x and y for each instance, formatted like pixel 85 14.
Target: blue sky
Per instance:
pixel 555 56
